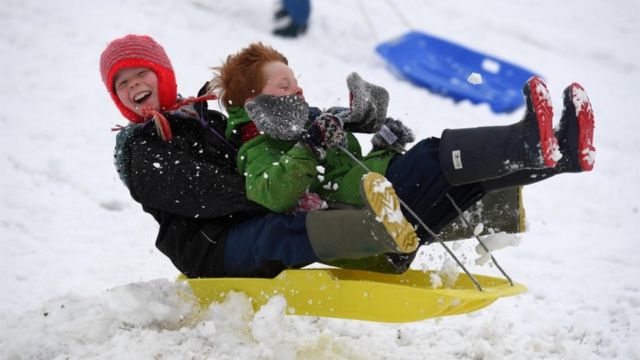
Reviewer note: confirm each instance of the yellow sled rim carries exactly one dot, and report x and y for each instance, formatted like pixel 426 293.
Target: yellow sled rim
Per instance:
pixel 359 295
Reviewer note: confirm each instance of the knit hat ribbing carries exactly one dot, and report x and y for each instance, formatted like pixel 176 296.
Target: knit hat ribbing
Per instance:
pixel 138 51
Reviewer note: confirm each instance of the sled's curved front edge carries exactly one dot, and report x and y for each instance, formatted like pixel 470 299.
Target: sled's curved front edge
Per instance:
pixel 360 295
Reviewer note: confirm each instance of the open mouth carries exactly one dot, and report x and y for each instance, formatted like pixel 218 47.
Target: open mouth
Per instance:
pixel 141 97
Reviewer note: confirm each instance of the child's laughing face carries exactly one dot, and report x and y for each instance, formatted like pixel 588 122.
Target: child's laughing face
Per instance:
pixel 137 88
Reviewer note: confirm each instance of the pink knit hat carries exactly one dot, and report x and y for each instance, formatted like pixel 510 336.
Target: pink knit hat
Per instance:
pixel 138 51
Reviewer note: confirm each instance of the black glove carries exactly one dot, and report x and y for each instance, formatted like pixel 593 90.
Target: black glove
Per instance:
pixel 325 132
pixel 393 134
pixel 281 117
pixel 368 103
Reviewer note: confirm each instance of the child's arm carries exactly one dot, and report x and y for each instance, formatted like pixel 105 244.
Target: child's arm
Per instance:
pixel 277 173
pixel 168 178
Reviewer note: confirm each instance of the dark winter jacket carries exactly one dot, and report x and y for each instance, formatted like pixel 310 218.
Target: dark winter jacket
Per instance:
pixel 190 185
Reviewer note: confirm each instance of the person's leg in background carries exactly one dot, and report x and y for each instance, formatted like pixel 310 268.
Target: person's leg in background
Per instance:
pixel 298 12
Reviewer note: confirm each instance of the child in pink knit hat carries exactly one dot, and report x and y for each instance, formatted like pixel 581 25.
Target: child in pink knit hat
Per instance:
pixel 138 73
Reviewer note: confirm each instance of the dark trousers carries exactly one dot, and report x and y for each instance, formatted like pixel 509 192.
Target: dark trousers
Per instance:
pixel 419 181
pixel 299 10
pixel 265 245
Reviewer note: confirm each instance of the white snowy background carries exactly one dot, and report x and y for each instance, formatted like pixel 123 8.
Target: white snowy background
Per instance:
pixel 80 277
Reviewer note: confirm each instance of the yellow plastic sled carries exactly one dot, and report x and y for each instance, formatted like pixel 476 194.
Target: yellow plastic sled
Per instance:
pixel 360 295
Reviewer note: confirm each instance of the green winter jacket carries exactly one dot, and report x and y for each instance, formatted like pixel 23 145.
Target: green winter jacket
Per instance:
pixel 277 172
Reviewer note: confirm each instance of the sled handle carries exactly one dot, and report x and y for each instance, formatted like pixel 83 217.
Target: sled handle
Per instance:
pixel 422 224
pixel 495 262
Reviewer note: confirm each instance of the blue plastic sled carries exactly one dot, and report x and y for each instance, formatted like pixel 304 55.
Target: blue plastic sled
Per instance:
pixel 444 67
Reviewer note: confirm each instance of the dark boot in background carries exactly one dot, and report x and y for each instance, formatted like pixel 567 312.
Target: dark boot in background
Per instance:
pixel 291 30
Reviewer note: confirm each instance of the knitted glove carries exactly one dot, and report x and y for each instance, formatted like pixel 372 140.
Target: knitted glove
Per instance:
pixel 281 117
pixel 368 105
pixel 342 113
pixel 393 134
pixel 324 133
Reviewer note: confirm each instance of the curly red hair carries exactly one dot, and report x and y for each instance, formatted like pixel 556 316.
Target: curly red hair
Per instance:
pixel 241 77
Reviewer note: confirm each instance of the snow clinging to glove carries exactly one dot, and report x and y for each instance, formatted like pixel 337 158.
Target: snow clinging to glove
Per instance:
pixel 368 103
pixel 281 117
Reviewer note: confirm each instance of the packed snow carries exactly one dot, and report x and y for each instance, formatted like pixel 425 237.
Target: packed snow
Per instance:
pixel 82 279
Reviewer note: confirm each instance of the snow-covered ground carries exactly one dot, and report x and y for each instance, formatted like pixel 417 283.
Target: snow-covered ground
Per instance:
pixel 81 277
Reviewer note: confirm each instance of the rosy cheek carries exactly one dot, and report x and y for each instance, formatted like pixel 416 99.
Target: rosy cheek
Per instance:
pixel 121 96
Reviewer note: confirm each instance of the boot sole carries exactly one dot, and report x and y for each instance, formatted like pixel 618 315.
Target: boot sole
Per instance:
pixel 541 103
pixel 586 124
pixel 383 201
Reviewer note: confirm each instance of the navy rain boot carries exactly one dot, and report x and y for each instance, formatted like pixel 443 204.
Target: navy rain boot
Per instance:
pixel 575 138
pixel 483 153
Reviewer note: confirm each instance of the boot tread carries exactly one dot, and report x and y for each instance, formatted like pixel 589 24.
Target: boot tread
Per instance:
pixel 383 201
pixel 537 91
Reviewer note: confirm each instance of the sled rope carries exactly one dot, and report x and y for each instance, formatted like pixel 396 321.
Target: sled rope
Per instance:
pixel 372 29
pixel 399 14
pixel 368 21
pixel 422 224
pixel 495 262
